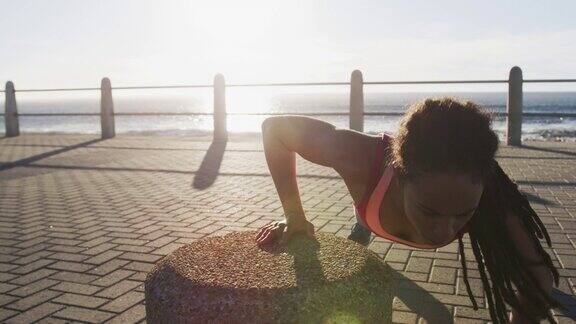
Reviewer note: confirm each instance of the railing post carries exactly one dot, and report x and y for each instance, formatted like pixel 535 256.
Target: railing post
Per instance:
pixel 11 111
pixel 220 132
pixel 357 101
pixel 514 108
pixel 106 109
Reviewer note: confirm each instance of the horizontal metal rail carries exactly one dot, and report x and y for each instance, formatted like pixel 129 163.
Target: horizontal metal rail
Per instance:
pixel 497 114
pixel 60 89
pixel 165 87
pixel 435 82
pixel 288 84
pixel 549 80
pixel 292 84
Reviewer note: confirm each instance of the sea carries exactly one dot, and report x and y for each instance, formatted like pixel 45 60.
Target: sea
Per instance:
pixel 254 101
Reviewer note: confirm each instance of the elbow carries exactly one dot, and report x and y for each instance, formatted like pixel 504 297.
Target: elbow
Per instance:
pixel 266 124
pixel 269 124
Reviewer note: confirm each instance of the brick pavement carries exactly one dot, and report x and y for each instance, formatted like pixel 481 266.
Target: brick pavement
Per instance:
pixel 82 220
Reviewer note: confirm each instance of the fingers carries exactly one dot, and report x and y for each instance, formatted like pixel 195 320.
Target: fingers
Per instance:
pixel 263 230
pixel 267 233
pixel 266 237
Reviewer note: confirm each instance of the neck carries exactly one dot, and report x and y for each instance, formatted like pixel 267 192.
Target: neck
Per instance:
pixel 398 197
pixel 398 205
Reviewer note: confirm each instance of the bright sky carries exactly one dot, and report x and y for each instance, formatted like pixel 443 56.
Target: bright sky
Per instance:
pixel 76 43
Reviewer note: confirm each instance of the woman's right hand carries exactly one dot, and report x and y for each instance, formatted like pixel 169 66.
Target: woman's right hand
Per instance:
pixel 284 230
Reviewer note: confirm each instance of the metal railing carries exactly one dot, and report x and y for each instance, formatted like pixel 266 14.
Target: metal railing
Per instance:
pixel 356 113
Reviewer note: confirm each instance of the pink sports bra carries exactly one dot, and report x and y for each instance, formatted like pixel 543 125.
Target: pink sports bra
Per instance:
pixel 369 207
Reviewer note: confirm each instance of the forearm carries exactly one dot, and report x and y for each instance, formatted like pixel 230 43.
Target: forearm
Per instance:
pixel 282 165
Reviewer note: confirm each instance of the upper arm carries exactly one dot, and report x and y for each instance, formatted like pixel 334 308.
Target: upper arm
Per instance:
pixel 320 142
pixel 527 249
pixel 521 239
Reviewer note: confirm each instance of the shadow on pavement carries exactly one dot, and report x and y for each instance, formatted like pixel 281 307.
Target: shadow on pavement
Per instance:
pixel 28 160
pixel 208 170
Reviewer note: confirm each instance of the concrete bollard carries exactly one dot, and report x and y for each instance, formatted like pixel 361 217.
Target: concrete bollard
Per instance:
pixel 106 109
pixel 231 279
pixel 220 131
pixel 514 108
pixel 11 111
pixel 357 101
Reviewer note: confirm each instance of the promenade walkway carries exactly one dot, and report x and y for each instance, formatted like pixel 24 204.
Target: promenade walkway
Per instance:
pixel 82 220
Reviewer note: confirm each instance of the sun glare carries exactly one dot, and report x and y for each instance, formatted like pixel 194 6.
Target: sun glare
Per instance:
pixel 247 40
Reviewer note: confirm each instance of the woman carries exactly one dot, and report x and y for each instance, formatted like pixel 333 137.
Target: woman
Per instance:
pixel 434 181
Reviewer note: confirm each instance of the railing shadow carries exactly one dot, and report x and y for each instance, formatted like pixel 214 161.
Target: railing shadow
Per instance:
pixel 28 160
pixel 539 200
pixel 136 148
pixel 547 183
pixel 534 157
pixel 123 169
pixel 543 149
pixel 208 170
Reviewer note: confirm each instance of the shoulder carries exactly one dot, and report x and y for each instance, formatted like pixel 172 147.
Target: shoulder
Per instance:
pixel 360 151
pixel 358 168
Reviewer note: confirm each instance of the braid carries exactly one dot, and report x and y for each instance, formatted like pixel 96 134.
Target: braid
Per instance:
pixel 496 252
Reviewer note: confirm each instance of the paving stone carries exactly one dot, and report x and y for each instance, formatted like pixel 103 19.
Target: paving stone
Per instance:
pixel 80 300
pixel 33 300
pixel 167 249
pixel 31 288
pixel 6 299
pixel 404 317
pixel 140 257
pixel 33 266
pixel 396 255
pixel 83 314
pixel 118 289
pixel 33 257
pixel 112 278
pixel 104 257
pixel 124 302
pixel 419 265
pixel 33 276
pixel 134 248
pixel 77 288
pixel 35 314
pixel 70 266
pixel 139 266
pixel 132 315
pixel 161 241
pixel 63 256
pixel 73 277
pixel 7 313
pixel 443 275
pixel 6 287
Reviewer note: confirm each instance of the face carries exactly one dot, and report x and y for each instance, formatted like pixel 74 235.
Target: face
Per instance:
pixel 439 205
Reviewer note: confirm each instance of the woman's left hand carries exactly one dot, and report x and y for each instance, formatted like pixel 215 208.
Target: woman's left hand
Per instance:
pixel 517 318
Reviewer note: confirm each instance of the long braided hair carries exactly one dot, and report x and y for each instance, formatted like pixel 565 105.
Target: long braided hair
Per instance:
pixel 443 134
